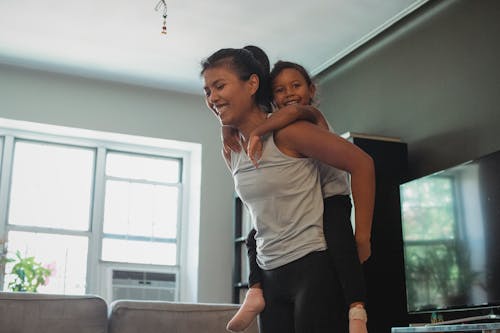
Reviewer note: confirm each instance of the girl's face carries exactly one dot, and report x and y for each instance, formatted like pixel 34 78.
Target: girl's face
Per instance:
pixel 290 87
pixel 228 96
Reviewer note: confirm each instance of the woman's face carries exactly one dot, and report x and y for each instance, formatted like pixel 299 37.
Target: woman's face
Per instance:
pixel 226 95
pixel 290 87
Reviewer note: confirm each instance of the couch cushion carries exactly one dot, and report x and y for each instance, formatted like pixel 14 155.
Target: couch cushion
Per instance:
pixel 171 317
pixel 43 313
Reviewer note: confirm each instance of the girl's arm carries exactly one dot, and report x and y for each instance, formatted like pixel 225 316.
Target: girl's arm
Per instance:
pixel 289 114
pixel 279 119
pixel 227 158
pixel 230 141
pixel 305 139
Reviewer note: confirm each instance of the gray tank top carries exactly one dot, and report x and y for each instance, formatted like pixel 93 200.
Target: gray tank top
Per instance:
pixel 283 196
pixel 333 181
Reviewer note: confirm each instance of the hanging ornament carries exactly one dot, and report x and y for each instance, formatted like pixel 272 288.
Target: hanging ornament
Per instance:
pixel 164 27
pixel 162 5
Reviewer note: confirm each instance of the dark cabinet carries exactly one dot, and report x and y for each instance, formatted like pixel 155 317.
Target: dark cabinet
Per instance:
pixel 384 270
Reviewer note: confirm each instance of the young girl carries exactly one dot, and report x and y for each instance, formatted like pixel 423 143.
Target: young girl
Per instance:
pixel 293 93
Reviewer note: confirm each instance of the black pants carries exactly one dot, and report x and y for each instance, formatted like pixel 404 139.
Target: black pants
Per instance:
pixel 300 297
pixel 341 247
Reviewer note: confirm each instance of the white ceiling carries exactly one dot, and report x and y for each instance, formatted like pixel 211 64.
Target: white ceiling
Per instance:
pixel 121 40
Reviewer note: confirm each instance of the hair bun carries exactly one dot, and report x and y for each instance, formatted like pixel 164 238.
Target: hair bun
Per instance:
pixel 260 55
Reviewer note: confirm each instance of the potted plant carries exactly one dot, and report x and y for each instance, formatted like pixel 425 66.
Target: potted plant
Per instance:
pixel 28 273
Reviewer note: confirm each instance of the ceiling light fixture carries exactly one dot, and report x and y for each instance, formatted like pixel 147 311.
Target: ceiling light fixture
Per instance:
pixel 162 4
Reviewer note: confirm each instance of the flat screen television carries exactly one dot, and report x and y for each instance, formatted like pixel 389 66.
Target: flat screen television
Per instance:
pixel 451 237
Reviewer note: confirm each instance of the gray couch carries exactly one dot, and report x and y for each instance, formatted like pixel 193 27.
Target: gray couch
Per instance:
pixel 43 313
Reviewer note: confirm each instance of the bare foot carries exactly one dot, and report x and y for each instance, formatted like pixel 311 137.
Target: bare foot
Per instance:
pixel 357 326
pixel 357 319
pixel 252 305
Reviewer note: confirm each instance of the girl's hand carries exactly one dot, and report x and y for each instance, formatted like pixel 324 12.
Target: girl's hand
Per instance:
pixel 230 140
pixel 254 149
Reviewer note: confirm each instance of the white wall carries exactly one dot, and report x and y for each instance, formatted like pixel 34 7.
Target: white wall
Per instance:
pixel 56 99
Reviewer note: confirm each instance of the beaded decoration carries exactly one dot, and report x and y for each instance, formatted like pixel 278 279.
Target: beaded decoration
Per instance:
pixel 159 5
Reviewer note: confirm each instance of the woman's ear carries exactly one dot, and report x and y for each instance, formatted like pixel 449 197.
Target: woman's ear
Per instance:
pixel 253 83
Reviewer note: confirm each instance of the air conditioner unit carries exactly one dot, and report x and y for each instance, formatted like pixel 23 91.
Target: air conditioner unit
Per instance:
pixel 140 285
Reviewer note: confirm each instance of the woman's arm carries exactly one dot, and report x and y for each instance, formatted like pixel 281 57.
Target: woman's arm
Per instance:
pixel 305 139
pixel 279 119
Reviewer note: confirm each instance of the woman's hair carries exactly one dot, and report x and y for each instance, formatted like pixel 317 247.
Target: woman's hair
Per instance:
pixel 281 65
pixel 261 57
pixel 245 62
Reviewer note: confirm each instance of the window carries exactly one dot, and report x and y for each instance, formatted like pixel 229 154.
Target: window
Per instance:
pixel 141 209
pixel 51 192
pixel 86 206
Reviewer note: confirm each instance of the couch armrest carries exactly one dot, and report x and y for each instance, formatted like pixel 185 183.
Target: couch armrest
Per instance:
pixel 43 313
pixel 166 317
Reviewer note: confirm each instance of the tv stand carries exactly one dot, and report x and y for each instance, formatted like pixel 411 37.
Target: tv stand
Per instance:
pixel 490 316
pixel 457 325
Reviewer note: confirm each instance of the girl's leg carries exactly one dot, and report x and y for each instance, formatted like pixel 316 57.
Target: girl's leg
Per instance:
pixel 254 276
pixel 254 299
pixel 342 248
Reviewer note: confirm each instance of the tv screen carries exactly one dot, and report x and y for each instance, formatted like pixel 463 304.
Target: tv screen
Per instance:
pixel 451 237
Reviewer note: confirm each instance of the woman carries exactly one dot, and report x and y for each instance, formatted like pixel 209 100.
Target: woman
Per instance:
pixel 293 93
pixel 283 194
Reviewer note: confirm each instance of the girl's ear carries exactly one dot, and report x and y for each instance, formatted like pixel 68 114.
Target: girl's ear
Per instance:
pixel 312 90
pixel 253 83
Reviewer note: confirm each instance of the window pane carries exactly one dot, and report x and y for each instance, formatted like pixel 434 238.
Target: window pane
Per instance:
pixel 142 167
pixel 138 209
pixel 51 186
pixel 67 254
pixel 139 252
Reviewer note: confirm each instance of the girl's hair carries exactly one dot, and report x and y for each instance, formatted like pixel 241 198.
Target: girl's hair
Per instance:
pixel 281 65
pixel 245 62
